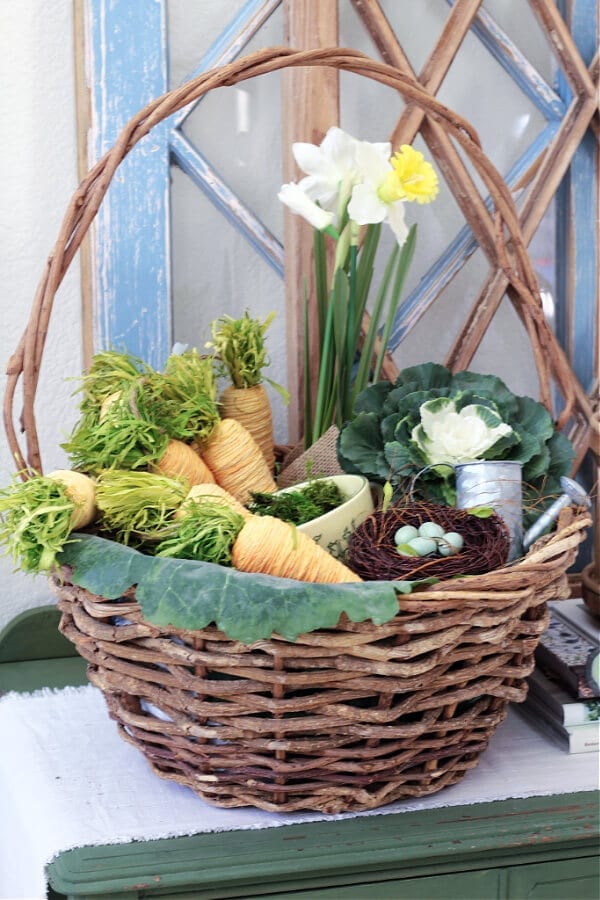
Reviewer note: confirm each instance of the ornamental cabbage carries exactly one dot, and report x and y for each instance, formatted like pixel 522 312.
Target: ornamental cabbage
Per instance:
pixel 398 428
pixel 447 434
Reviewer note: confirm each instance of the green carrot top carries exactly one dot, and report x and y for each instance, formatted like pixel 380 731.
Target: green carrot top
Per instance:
pixel 240 347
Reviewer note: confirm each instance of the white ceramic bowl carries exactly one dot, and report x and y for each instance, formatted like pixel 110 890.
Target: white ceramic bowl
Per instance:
pixel 332 530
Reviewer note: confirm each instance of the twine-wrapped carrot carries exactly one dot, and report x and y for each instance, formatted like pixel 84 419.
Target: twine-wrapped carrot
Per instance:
pixel 269 546
pixel 234 458
pixel 81 491
pixel 251 407
pixel 211 531
pixel 130 414
pixel 180 461
pixel 240 348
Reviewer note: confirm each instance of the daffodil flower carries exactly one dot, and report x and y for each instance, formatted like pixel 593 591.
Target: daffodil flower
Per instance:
pixel 299 202
pixel 331 171
pixel 387 185
pixel 329 168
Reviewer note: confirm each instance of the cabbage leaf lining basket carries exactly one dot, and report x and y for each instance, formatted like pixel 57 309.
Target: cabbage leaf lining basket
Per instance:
pixel 340 719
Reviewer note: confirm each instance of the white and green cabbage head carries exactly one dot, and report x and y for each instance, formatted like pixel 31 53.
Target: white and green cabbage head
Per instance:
pixel 446 434
pixel 430 413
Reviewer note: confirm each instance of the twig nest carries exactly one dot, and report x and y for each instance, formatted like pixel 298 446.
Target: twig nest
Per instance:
pixel 388 545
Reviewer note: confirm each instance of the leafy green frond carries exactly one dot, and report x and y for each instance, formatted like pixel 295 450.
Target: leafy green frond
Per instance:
pixel 207 532
pixel 35 522
pixel 183 399
pixel 240 347
pixel 108 373
pixel 124 436
pixel 138 506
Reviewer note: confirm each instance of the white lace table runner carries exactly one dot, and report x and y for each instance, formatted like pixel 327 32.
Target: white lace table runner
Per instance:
pixel 68 780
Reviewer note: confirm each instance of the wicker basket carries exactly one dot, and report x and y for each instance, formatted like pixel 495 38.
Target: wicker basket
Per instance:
pixel 342 719
pixel 339 720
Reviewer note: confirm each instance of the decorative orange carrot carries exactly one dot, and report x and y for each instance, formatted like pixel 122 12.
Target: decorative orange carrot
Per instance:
pixel 240 347
pixel 130 414
pixel 251 407
pixel 180 461
pixel 211 531
pixel 236 461
pixel 269 546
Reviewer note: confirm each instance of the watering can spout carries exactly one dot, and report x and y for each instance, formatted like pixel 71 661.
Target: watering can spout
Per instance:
pixel 573 493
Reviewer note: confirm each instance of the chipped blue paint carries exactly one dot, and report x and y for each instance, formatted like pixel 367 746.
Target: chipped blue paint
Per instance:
pixel 204 176
pixel 132 272
pixel 127 69
pixel 458 251
pixel 577 215
pixel 508 55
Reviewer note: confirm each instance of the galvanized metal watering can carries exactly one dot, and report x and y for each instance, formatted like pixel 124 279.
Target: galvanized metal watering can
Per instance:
pixel 497 484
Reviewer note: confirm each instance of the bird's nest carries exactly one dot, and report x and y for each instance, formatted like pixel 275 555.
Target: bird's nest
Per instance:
pixel 372 552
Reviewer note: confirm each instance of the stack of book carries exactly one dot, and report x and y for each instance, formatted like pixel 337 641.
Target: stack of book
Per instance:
pixel 564 689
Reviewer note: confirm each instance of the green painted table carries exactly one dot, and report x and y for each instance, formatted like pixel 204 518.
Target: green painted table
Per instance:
pixel 543 847
pixel 538 847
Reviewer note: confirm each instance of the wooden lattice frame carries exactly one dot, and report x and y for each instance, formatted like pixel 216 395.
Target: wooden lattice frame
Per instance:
pixel 310 20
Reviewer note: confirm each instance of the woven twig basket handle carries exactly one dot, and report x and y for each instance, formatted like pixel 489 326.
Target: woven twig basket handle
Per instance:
pixel 510 246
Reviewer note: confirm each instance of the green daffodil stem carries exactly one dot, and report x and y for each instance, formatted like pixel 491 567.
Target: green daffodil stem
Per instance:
pixel 307 383
pixel 341 252
pixel 345 410
pixel 406 255
pixel 325 374
pixel 321 289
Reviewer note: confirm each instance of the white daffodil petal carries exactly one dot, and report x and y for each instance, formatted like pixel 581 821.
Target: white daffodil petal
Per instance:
pixel 371 164
pixel 395 217
pixel 339 148
pixel 384 149
pixel 309 158
pixel 295 198
pixel 365 207
pixel 321 190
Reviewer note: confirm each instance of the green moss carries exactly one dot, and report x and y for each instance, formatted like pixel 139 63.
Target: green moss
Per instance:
pixel 298 507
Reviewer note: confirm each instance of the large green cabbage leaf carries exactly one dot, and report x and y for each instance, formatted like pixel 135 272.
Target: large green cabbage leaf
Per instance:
pixel 191 595
pixel 378 441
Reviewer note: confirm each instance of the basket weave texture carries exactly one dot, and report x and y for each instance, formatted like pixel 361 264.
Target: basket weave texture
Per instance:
pixel 344 719
pixel 339 720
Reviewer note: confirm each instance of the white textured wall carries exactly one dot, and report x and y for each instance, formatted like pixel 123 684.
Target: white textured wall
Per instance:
pixel 38 174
